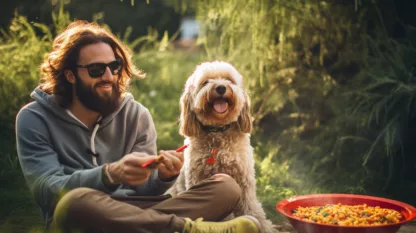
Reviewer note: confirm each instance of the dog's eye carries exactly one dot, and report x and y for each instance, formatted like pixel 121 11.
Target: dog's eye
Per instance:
pixel 205 83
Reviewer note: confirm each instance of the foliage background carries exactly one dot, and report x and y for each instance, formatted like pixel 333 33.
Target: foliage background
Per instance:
pixel 332 86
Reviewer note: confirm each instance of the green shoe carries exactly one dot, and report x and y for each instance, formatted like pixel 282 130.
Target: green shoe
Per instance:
pixel 243 224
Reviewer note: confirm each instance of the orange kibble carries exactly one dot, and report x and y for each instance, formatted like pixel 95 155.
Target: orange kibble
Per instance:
pixel 349 215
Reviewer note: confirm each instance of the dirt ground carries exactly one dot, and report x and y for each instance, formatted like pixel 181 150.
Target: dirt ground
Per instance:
pixel 408 228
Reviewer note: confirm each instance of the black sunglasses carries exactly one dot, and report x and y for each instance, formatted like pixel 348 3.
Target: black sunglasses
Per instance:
pixel 96 70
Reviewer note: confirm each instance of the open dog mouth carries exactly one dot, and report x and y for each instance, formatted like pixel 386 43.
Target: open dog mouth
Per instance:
pixel 219 105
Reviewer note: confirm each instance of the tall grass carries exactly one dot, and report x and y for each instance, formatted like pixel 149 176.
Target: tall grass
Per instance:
pixel 21 53
pixel 384 100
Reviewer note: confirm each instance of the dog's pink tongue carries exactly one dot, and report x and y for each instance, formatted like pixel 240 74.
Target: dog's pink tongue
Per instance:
pixel 220 106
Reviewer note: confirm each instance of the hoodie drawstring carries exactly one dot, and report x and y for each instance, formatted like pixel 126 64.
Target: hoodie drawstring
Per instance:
pixel 92 143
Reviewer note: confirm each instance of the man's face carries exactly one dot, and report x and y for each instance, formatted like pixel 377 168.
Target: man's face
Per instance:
pixel 98 94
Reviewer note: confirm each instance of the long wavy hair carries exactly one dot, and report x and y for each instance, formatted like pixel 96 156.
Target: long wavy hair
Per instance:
pixel 65 52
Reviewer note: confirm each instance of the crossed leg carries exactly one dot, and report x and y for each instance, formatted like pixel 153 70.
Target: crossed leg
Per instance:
pixel 89 210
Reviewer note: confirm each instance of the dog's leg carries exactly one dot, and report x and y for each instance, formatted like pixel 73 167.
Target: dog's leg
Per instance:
pixel 250 205
pixel 178 186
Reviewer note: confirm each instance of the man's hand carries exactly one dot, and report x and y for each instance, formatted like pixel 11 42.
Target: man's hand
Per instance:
pixel 171 164
pixel 128 170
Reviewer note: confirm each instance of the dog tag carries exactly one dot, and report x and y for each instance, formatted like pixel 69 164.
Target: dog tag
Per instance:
pixel 213 152
pixel 210 160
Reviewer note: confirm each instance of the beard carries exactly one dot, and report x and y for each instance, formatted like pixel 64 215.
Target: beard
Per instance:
pixel 104 104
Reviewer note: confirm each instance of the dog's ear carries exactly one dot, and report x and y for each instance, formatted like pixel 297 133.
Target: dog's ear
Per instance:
pixel 188 124
pixel 245 120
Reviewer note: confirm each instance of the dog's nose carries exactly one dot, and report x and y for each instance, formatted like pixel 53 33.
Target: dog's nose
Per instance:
pixel 220 89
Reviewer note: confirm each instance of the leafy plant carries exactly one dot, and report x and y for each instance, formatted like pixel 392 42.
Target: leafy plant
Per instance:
pixel 384 99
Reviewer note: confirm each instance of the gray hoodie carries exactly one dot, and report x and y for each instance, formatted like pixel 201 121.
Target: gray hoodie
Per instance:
pixel 52 148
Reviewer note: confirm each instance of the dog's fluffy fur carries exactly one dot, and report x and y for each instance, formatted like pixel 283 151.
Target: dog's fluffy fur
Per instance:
pixel 200 102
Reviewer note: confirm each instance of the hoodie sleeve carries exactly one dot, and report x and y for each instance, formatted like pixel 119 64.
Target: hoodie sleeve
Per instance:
pixel 146 142
pixel 40 164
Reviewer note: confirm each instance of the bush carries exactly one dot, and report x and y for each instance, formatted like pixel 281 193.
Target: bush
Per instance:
pixel 21 54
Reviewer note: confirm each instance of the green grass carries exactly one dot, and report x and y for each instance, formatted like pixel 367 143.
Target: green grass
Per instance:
pixel 18 212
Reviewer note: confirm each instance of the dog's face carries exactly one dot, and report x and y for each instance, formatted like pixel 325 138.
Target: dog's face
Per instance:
pixel 214 96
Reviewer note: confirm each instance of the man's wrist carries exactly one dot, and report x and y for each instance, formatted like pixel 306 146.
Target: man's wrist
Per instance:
pixel 109 179
pixel 167 179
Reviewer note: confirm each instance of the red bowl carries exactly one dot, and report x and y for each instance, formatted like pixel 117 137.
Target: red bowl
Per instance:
pixel 286 206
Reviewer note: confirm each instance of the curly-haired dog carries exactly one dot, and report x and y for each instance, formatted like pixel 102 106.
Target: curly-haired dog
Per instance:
pixel 215 119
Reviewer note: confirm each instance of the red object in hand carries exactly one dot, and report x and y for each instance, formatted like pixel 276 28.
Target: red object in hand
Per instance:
pixel 152 163
pixel 148 163
pixel 180 149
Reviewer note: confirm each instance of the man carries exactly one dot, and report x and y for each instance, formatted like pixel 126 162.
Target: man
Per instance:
pixel 82 142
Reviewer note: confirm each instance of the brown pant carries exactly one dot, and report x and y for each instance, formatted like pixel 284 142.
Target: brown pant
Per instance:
pixel 89 210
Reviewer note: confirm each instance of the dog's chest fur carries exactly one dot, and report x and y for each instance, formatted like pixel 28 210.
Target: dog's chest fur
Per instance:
pixel 234 156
